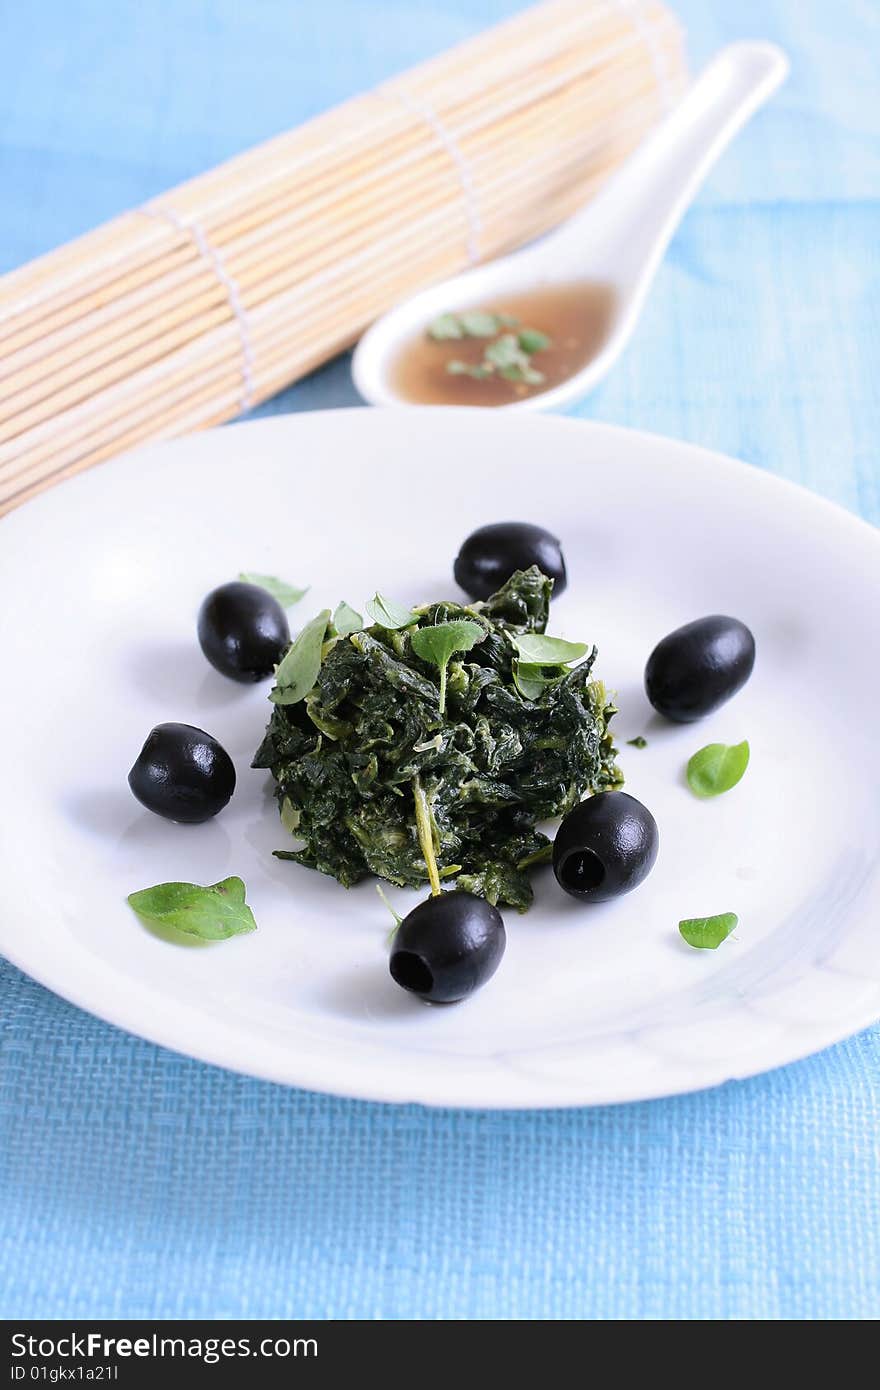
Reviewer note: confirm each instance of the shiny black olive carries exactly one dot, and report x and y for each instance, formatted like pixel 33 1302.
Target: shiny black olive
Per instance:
pixel 699 666
pixel 605 846
pixel 492 554
pixel 183 774
pixel 243 631
pixel 447 947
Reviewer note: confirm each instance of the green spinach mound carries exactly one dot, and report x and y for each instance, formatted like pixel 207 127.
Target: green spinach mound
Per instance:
pixel 372 778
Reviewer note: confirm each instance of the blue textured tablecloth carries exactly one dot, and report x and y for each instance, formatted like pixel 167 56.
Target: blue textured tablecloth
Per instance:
pixel 136 1183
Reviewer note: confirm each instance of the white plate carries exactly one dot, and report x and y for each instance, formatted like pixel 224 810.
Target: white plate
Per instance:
pixel 101 580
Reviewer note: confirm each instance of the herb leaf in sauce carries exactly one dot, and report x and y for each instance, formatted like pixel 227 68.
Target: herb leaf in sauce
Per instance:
pixel 445 328
pixel 298 669
pixel 479 324
pixel 473 323
pixel 214 913
pixel 286 594
pixel 479 372
pixel 504 352
pixel 717 767
pixel 532 340
pixel 380 781
pixel 707 933
pixel 508 355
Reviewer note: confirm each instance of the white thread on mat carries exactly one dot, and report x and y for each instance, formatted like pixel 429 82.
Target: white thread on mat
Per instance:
pixel 416 106
pixel 215 260
pixel 647 32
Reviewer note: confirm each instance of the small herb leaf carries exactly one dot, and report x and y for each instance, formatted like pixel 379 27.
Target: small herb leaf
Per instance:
pixel 509 353
pixel 347 620
pixel 504 352
pixel 286 594
pixel 386 613
pixel 532 679
pixel 717 767
pixel 548 651
pixel 212 914
pixel 446 327
pixel 479 372
pixel 638 742
pixel 439 643
pixel 524 373
pixel 707 933
pixel 479 324
pixel 298 669
pixel 531 340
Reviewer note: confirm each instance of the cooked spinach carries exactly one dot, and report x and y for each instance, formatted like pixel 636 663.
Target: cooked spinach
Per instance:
pixel 372 776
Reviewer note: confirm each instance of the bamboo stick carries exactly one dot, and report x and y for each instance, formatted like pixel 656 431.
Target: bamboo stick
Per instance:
pixel 286 299
pixel 634 44
pixel 282 157
pixel 235 283
pixel 151 313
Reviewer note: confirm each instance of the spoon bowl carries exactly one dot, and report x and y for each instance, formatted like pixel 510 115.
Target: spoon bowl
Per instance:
pixel 617 240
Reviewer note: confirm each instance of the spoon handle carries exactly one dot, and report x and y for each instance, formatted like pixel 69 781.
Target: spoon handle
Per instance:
pixel 628 226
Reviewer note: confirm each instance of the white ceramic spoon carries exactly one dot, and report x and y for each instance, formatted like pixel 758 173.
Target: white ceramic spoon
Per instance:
pixel 618 239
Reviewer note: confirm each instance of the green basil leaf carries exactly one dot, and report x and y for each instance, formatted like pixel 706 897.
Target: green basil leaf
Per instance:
pixel 446 327
pixel 707 933
pixel 532 679
pixel 347 620
pixel 298 669
pixel 530 340
pixel 638 742
pixel 212 914
pixel 717 767
pixel 548 651
pixel 386 613
pixel 438 644
pixel 286 594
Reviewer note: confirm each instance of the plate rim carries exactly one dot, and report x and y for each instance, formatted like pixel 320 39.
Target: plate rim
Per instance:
pixel 371 1088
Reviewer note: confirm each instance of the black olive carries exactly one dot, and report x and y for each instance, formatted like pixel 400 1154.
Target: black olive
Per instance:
pixel 243 631
pixel 492 554
pixel 182 773
pixel 699 666
pixel 605 846
pixel 447 947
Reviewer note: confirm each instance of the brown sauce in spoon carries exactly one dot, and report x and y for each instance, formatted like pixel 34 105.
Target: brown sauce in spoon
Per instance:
pixel 576 318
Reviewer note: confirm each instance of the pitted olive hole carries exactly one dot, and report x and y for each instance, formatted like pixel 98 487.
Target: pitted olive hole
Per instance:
pixel 583 871
pixel 411 972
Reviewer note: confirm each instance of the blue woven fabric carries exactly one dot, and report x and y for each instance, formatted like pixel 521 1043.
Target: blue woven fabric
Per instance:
pixel 136 1183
